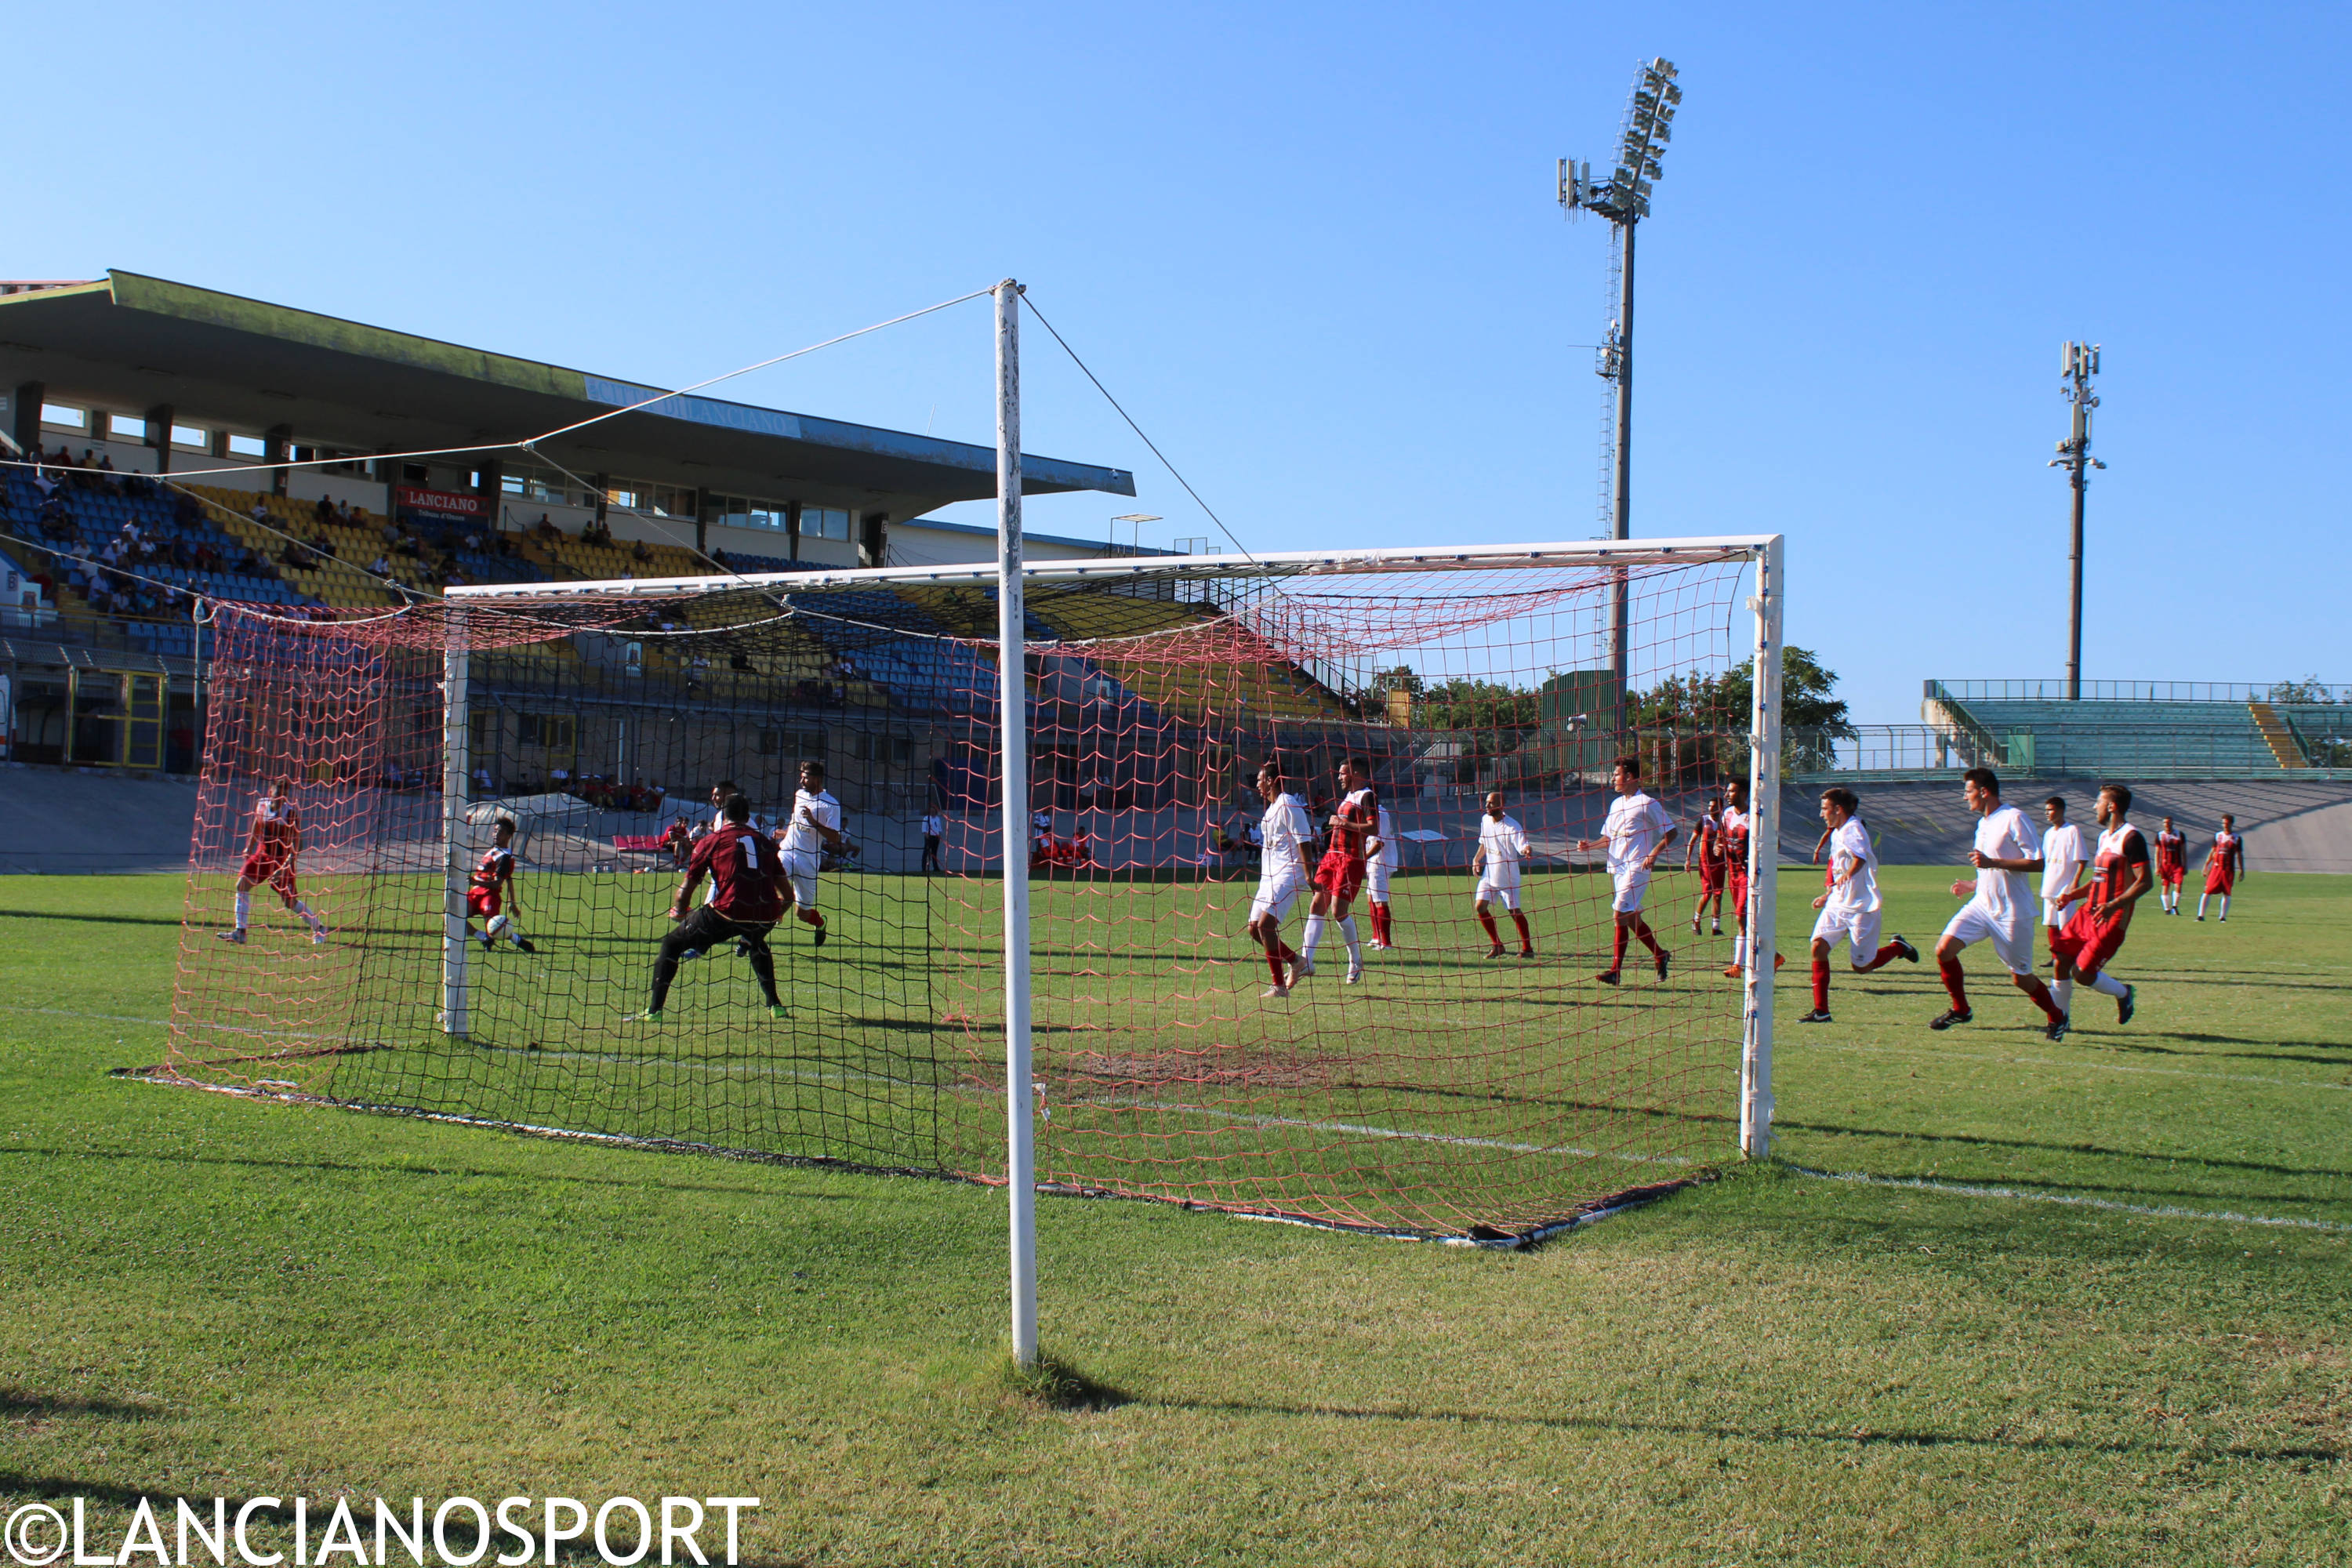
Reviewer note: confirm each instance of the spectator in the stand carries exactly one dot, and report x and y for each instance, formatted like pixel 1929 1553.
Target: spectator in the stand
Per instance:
pixel 382 566
pixel 453 578
pixel 640 554
pixel 260 512
pixel 545 529
pixel 324 512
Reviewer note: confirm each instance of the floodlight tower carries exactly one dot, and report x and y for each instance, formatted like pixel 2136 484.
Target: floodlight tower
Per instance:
pixel 2078 363
pixel 1623 199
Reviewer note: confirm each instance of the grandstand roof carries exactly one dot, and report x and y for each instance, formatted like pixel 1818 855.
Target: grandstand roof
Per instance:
pixel 344 383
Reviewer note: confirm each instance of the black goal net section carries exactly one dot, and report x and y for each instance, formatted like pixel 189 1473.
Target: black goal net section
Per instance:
pixel 1386 985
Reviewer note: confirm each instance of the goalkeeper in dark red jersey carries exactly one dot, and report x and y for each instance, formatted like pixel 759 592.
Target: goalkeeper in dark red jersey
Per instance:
pixel 750 894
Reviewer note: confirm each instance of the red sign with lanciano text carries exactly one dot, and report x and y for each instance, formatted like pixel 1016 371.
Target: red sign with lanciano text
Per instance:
pixel 452 503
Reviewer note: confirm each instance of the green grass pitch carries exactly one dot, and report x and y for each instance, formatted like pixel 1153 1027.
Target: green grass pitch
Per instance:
pixel 2034 1333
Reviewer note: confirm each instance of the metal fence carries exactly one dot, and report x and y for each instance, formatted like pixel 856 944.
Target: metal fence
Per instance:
pixel 2138 692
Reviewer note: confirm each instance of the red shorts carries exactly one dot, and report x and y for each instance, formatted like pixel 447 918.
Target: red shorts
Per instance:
pixel 2169 873
pixel 2088 940
pixel 278 874
pixel 483 901
pixel 1341 875
pixel 1740 894
pixel 2217 878
pixel 1710 877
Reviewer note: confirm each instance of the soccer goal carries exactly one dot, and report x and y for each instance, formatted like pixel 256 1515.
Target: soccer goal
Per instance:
pixel 1443 1094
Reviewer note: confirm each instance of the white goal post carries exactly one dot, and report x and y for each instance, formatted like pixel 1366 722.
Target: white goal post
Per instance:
pixel 1009 575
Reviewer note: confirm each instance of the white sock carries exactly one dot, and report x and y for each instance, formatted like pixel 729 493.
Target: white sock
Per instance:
pixel 1314 937
pixel 2201 904
pixel 314 921
pixel 2225 906
pixel 2063 993
pixel 244 909
pixel 1740 950
pixel 1348 935
pixel 2106 984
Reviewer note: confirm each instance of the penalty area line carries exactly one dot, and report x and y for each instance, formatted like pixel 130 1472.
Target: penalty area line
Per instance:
pixel 2071 1200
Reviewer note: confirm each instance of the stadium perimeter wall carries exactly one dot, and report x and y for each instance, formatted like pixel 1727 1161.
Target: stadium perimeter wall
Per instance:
pixel 67 820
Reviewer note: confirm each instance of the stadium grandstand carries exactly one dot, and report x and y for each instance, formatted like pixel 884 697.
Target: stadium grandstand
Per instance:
pixel 193 444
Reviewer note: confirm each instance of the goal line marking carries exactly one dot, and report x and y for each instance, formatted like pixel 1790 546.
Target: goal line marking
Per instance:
pixel 2071 1200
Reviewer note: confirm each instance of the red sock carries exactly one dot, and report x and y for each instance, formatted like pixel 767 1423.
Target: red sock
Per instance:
pixel 1618 960
pixel 1820 986
pixel 2032 986
pixel 1492 934
pixel 1886 955
pixel 1642 930
pixel 1526 942
pixel 1380 922
pixel 1274 963
pixel 1953 983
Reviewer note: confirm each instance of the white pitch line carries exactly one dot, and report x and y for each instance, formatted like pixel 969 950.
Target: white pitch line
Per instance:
pixel 1364 1131
pixel 2153 1211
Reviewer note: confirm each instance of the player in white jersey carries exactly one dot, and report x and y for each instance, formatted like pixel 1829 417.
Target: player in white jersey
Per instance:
pixel 1999 908
pixel 1377 871
pixel 720 792
pixel 815 827
pixel 2063 856
pixel 1850 905
pixel 1283 874
pixel 1502 845
pixel 1636 832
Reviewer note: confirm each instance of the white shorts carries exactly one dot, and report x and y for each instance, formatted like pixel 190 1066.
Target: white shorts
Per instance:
pixel 1276 897
pixel 2011 943
pixel 1630 886
pixel 1375 878
pixel 1495 893
pixel 2052 915
pixel 1858 927
pixel 800 867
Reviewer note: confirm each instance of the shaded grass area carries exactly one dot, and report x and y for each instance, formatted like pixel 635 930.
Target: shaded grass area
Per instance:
pixel 213 1295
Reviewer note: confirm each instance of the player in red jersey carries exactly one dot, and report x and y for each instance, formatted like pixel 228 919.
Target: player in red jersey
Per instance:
pixel 1705 847
pixel 751 894
pixel 2171 865
pixel 1735 874
pixel 2224 863
pixel 2094 931
pixel 1340 875
pixel 272 843
pixel 492 890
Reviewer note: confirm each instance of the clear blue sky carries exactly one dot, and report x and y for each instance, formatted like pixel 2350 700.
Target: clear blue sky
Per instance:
pixel 1314 249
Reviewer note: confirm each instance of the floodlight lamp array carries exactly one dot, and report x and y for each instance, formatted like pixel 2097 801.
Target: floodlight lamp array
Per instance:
pixel 1624 196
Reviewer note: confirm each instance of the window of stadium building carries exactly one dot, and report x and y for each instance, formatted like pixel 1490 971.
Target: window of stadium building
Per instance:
pixel 248 446
pixel 662 501
pixel 126 427
pixel 64 416
pixel 539 485
pixel 193 437
pixel 823 523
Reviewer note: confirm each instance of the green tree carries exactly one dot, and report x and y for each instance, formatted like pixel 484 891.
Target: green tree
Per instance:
pixel 1812 716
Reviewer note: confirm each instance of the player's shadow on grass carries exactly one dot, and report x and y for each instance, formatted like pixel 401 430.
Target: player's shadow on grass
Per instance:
pixel 2094 1149
pixel 1857 1436
pixel 15 1402
pixel 2344 1046
pixel 443 1172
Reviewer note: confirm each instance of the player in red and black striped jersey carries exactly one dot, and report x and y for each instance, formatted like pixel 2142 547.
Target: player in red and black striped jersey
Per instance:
pixel 2094 932
pixel 2224 863
pixel 2171 865
pixel 750 894
pixel 273 842
pixel 1339 876
pixel 1707 849
pixel 492 890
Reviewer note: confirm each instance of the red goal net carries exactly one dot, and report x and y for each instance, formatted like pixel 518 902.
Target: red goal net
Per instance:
pixel 361 775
